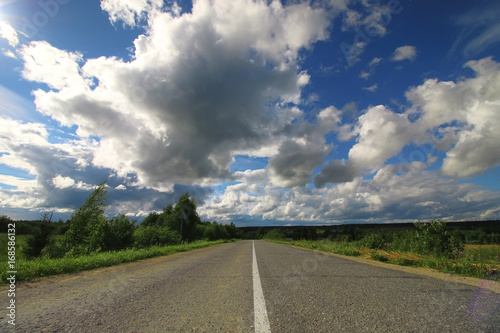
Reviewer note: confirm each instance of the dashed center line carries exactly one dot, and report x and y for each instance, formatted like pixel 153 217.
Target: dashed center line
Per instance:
pixel 261 321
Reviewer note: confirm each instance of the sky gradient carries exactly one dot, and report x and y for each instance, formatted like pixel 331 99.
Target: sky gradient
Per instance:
pixel 267 112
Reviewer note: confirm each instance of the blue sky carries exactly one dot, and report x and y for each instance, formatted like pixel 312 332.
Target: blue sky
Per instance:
pixel 267 112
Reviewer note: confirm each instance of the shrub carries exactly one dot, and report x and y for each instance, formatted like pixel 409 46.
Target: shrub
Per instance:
pixel 404 242
pixel 434 238
pixel 373 241
pixel 56 248
pixel 154 235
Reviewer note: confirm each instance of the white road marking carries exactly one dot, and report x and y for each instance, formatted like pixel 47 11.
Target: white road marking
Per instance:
pixel 261 321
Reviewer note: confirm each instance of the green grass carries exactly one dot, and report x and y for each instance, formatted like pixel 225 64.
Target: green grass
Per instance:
pixel 480 261
pixel 20 244
pixel 30 269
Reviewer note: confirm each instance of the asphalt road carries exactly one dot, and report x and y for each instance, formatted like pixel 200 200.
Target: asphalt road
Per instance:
pixel 216 289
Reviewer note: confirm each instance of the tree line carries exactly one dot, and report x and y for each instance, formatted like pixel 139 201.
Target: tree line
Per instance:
pixel 90 230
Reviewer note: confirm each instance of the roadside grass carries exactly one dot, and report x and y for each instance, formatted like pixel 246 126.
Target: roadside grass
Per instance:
pixel 480 261
pixel 42 267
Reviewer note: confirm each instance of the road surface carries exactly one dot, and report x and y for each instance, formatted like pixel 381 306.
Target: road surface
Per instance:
pixel 252 287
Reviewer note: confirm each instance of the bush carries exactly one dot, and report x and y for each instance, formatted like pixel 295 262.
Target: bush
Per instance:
pixel 434 238
pixel 373 241
pixel 404 242
pixel 154 235
pixel 56 248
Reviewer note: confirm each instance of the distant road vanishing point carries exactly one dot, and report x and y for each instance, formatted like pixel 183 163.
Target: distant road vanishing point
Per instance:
pixel 252 286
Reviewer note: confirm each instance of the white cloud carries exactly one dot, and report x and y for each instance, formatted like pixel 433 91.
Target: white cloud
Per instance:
pixel 130 11
pixel 10 54
pixel 406 52
pixel 62 182
pixel 382 134
pixel 372 65
pixel 371 88
pixel 474 104
pixel 459 118
pixel 21 184
pixel 415 194
pixel 57 68
pixel 201 87
pixel 373 23
pixel 8 33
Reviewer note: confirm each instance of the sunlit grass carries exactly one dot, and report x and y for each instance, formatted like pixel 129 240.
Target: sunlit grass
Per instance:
pixel 480 261
pixel 30 269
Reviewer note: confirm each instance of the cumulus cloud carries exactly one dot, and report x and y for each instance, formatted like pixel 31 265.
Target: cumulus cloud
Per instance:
pixel 382 133
pixel 392 196
pixel 457 117
pixel 295 163
pixel 200 87
pixel 130 11
pixel 335 172
pixel 406 52
pixel 474 104
pixel 59 177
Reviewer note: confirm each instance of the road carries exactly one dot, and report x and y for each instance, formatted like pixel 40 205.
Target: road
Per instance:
pixel 216 289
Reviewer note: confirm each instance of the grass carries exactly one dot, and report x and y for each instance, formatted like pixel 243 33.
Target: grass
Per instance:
pixel 31 269
pixel 480 261
pixel 20 244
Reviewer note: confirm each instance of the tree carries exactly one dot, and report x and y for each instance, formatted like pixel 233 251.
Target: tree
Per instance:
pixel 151 219
pixel 276 234
pixel 119 233
pixel 88 223
pixel 184 217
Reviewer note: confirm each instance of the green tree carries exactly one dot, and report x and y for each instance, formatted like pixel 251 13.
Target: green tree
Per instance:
pixel 275 234
pixel 184 217
pixel 39 239
pixel 88 223
pixel 119 233
pixel 151 219
pixel 260 233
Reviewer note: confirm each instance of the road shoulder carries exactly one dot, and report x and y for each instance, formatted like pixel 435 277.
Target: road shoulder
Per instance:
pixel 482 283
